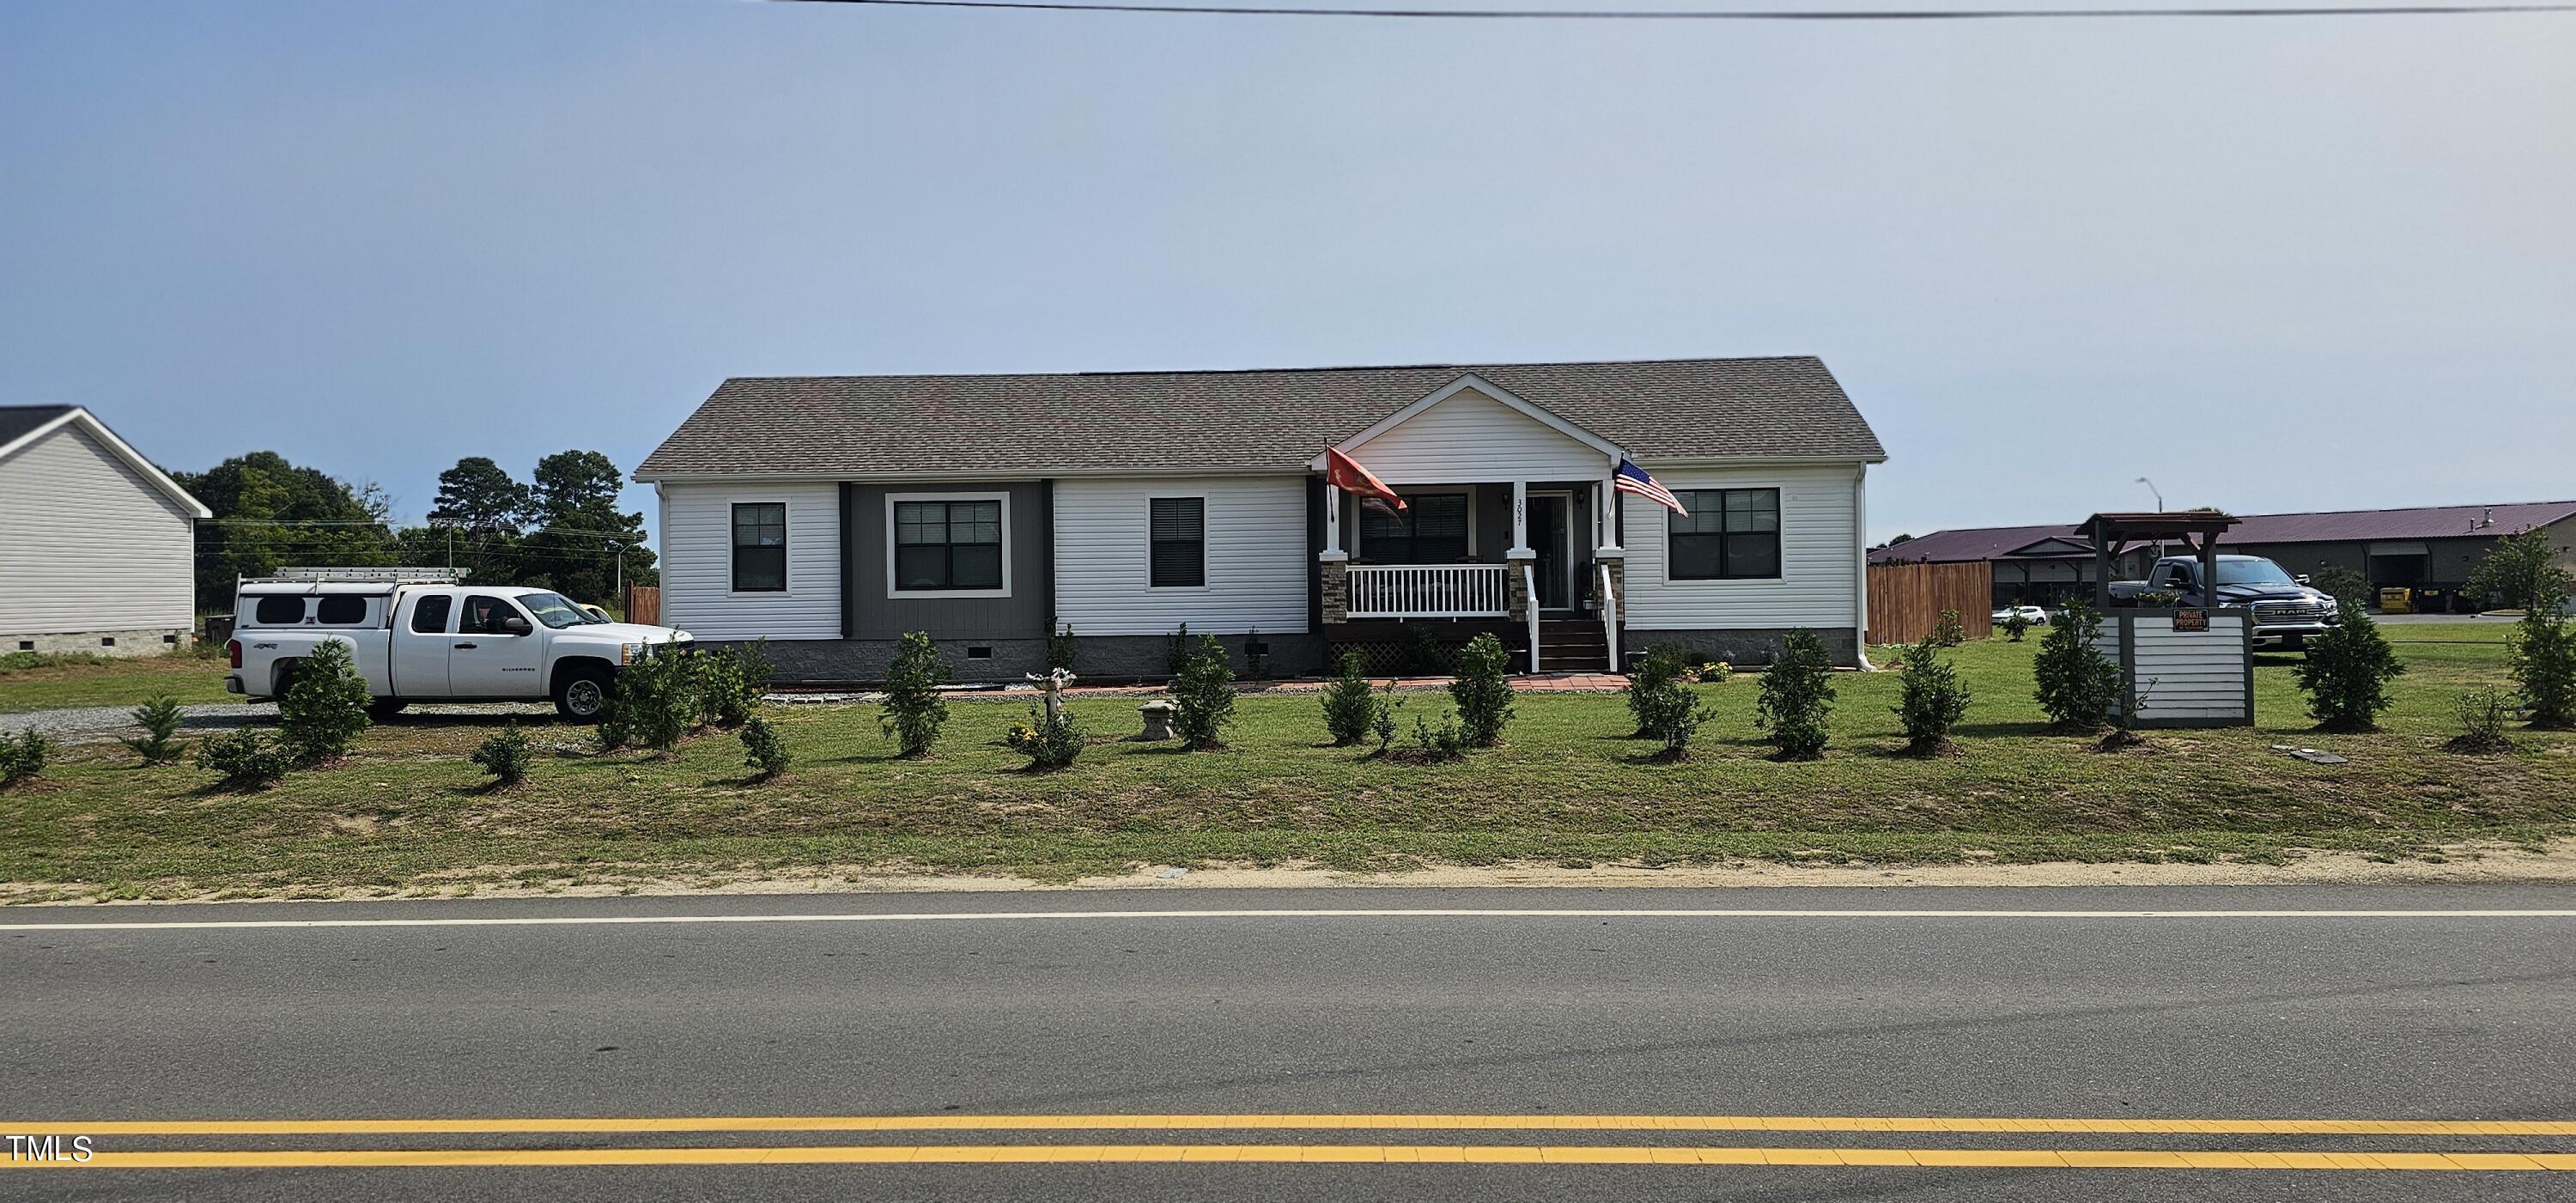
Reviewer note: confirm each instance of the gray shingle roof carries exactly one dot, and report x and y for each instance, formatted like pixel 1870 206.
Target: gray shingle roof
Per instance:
pixel 1235 420
pixel 16 420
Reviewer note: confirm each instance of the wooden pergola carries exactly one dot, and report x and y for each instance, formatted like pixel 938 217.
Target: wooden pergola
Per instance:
pixel 2112 534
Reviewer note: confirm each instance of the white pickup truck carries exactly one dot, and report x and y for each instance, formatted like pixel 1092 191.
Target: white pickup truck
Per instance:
pixel 419 635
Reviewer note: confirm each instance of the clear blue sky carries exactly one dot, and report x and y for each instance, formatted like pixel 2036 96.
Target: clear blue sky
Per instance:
pixel 2271 264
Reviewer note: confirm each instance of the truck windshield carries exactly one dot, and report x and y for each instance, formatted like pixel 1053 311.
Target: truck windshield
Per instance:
pixel 555 610
pixel 2252 572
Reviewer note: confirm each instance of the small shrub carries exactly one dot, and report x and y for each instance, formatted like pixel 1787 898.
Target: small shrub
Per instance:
pixel 655 702
pixel 914 711
pixel 244 759
pixel 1483 690
pixel 1203 697
pixel 1050 743
pixel 762 749
pixel 21 661
pixel 1177 654
pixel 1657 667
pixel 1716 673
pixel 2346 675
pixel 1931 702
pixel 2079 687
pixel 1349 703
pixel 1669 712
pixel 23 756
pixel 2541 652
pixel 2483 714
pixel 1061 649
pixel 1382 724
pixel 1442 743
pixel 2016 625
pixel 1797 697
pixel 159 719
pixel 325 707
pixel 505 755
pixel 2350 589
pixel 1949 631
pixel 731 681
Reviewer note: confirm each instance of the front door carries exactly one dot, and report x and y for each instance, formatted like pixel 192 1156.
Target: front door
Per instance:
pixel 1548 517
pixel 485 661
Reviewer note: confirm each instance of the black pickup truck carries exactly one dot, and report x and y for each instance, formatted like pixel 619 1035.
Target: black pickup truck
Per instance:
pixel 2286 610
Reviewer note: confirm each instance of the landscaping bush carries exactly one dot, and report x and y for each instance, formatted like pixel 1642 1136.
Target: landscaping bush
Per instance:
pixel 159 719
pixel 505 755
pixel 1445 742
pixel 730 682
pixel 1382 724
pixel 1949 631
pixel 762 749
pixel 1669 712
pixel 655 702
pixel 1931 701
pixel 1349 703
pixel 914 711
pixel 2541 652
pixel 244 759
pixel 1657 667
pixel 1203 697
pixel 1050 742
pixel 2079 687
pixel 2016 625
pixel 2483 714
pixel 1061 649
pixel 2350 589
pixel 1797 697
pixel 324 710
pixel 1716 673
pixel 1483 690
pixel 2346 675
pixel 23 756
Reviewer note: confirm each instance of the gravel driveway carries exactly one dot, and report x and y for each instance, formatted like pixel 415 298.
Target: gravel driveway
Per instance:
pixel 88 723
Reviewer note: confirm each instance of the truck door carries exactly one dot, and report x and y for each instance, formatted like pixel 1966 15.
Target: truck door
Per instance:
pixel 420 645
pixel 484 660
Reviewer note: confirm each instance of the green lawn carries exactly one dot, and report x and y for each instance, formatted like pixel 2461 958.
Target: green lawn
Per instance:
pixel 409 813
pixel 50 684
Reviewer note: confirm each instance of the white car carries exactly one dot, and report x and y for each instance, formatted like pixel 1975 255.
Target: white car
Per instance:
pixel 2037 617
pixel 419 635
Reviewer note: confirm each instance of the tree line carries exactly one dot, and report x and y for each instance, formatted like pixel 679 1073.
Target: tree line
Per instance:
pixel 560 529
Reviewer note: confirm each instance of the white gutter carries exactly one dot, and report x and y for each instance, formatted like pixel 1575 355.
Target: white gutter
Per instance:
pixel 1860 568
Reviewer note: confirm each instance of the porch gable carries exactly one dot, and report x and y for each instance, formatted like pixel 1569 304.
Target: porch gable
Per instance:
pixel 1474 430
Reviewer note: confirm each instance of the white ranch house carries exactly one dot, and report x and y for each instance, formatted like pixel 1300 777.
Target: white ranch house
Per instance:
pixel 97 546
pixel 830 515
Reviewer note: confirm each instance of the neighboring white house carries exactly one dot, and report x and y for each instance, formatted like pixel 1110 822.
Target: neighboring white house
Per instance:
pixel 830 515
pixel 97 546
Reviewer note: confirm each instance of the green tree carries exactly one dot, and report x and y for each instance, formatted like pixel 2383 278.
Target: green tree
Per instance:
pixel 1203 696
pixel 1483 690
pixel 475 523
pixel 324 709
pixel 913 710
pixel 1932 699
pixel 2346 674
pixel 2079 687
pixel 2522 572
pixel 270 514
pixel 1797 697
pixel 580 536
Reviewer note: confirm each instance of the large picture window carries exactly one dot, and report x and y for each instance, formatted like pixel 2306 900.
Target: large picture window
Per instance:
pixel 1179 537
pixel 1731 534
pixel 760 547
pixel 1431 529
pixel 947 545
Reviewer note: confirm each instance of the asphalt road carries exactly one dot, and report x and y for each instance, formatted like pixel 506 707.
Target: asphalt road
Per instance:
pixel 2422 1016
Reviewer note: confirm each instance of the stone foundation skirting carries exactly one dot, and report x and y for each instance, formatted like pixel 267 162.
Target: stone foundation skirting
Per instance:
pixel 1096 658
pixel 1744 647
pixel 150 641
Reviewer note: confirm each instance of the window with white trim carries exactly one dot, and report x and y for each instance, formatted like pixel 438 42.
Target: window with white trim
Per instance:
pixel 1729 535
pixel 945 545
pixel 1178 534
pixel 760 547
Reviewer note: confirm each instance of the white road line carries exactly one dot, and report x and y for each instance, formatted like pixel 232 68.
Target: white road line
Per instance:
pixel 1350 913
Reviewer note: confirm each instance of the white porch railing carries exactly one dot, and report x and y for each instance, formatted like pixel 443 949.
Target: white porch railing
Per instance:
pixel 1610 617
pixel 1428 591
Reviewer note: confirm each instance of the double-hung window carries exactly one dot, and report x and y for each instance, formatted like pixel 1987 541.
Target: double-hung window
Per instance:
pixel 1179 538
pixel 1730 535
pixel 947 545
pixel 1431 529
pixel 760 547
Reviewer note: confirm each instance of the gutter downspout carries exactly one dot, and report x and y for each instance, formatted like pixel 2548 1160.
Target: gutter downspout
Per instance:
pixel 1860 568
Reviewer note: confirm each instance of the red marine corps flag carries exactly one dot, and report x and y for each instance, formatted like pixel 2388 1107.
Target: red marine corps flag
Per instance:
pixel 1344 473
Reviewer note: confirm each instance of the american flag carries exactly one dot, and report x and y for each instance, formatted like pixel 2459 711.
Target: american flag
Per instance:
pixel 1633 479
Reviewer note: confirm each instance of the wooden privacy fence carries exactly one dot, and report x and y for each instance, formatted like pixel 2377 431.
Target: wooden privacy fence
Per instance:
pixel 644 604
pixel 1906 600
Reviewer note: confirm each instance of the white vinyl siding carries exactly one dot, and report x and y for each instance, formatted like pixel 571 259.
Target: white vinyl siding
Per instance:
pixel 697 563
pixel 1473 437
pixel 88 544
pixel 1819 556
pixel 2184 674
pixel 1256 557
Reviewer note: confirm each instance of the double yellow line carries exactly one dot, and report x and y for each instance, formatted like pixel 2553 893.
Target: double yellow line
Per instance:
pixel 105 1132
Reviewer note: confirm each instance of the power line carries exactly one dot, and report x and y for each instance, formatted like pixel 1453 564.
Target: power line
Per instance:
pixel 1685 14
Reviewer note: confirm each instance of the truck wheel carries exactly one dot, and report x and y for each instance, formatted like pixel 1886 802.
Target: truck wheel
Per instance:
pixel 581 694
